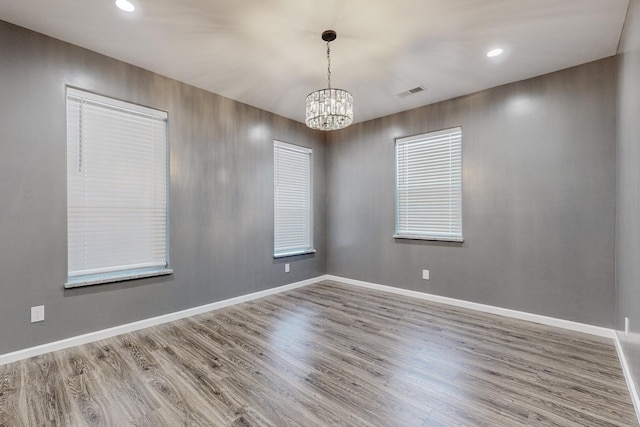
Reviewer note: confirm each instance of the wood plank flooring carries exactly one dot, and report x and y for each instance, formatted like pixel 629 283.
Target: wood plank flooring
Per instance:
pixel 326 355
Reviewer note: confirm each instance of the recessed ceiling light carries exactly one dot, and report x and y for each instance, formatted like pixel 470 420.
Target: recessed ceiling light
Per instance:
pixel 494 52
pixel 125 5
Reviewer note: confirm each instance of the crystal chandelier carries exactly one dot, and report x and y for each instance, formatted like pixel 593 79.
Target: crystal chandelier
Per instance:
pixel 329 109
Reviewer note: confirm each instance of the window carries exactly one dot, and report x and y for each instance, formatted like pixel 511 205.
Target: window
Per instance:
pixel 116 190
pixel 429 186
pixel 293 219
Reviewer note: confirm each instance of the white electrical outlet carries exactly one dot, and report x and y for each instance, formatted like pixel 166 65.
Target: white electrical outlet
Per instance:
pixel 286 268
pixel 425 274
pixel 37 314
pixel 626 326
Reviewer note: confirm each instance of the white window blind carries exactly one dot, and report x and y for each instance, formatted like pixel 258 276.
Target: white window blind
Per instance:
pixel 293 217
pixel 116 190
pixel 429 186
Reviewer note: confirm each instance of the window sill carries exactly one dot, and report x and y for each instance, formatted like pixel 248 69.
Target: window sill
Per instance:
pixel 432 238
pixel 288 254
pixel 97 279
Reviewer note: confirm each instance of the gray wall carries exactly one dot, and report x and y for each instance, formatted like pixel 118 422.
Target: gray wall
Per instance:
pixel 221 194
pixel 538 198
pixel 628 191
pixel 539 194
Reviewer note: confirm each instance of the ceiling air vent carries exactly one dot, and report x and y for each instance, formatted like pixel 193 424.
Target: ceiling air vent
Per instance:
pixel 411 92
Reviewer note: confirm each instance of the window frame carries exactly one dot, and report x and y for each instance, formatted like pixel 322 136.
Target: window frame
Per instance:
pixel 308 246
pixel 454 201
pixel 111 273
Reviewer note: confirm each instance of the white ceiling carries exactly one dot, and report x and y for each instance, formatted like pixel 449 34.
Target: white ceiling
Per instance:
pixel 269 54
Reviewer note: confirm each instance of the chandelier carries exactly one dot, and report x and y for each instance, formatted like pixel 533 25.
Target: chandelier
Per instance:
pixel 330 108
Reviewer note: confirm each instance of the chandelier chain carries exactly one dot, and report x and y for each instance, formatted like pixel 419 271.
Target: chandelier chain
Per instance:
pixel 328 65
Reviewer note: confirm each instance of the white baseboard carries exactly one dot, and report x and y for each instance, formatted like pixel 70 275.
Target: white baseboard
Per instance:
pixel 129 327
pixel 633 391
pixel 146 323
pixel 545 320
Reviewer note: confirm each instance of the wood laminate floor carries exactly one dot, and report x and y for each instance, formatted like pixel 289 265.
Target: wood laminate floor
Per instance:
pixel 324 355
